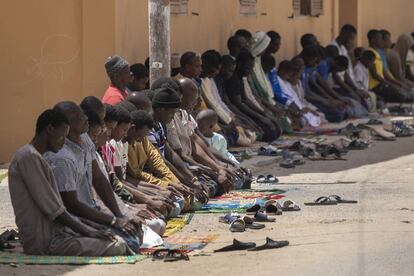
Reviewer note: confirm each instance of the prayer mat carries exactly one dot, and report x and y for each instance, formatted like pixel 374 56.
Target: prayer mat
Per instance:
pixel 239 201
pixel 19 258
pixel 183 242
pixel 176 224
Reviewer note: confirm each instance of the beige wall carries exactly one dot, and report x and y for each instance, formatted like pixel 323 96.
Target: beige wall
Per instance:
pixel 393 15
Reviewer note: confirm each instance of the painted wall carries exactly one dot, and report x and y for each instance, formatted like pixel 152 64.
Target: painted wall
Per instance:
pixel 393 15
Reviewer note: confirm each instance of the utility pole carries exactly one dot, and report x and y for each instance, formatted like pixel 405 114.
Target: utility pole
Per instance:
pixel 159 39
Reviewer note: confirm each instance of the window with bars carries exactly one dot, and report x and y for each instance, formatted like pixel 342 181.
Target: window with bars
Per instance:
pixel 248 7
pixel 307 7
pixel 179 7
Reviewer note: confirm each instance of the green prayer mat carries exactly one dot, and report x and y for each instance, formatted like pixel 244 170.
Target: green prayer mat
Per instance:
pixel 3 174
pixel 19 258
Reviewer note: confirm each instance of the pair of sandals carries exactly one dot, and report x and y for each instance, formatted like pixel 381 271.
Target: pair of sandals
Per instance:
pixel 266 179
pixel 169 255
pixel 330 200
pixel 239 223
pixel 274 208
pixel 251 246
pixel 8 237
pixel 291 160
pixel 269 151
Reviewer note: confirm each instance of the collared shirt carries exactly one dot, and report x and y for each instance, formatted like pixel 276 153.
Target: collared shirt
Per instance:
pixel 379 68
pixel 120 155
pixel 114 96
pixel 72 167
pixel 277 90
pixel 36 200
pixel 158 137
pixel 180 130
pixel 361 76
pixel 146 163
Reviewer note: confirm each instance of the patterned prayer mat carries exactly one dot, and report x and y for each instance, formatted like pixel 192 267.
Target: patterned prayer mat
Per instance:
pixel 239 201
pixel 183 242
pixel 19 258
pixel 176 224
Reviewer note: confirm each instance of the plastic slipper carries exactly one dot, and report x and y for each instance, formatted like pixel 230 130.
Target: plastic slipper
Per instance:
pixel 338 199
pixel 237 225
pixel 262 217
pixel 253 210
pixel 273 207
pixel 287 164
pixel 289 206
pixel 250 224
pixel 270 244
pixel 268 151
pixel 261 179
pixel 271 179
pixel 237 245
pixel 169 255
pixel 323 200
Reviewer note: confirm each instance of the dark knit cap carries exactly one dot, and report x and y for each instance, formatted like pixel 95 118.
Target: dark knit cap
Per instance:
pixel 115 64
pixel 171 82
pixel 166 97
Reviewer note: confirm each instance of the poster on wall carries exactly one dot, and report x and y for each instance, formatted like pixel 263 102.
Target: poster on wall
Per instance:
pixel 248 7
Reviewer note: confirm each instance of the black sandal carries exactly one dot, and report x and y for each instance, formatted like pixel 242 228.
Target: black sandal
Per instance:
pixel 237 245
pixel 270 244
pixel 323 200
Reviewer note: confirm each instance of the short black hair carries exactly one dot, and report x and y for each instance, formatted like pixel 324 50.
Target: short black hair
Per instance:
pixel 384 33
pixel 187 58
pixel 124 115
pixel 358 51
pixel 139 71
pixel 369 55
pixel 50 117
pixel 268 62
pixel 93 118
pixel 244 57
pixel 211 58
pixel 274 36
pixel 130 107
pixel 332 51
pixel 91 103
pixel 342 61
pixel 348 28
pixel 166 81
pixel 412 34
pixel 141 118
pixel 111 114
pixel 287 66
pixel 372 33
pixel 227 60
pixel 306 40
pixel 310 52
pixel 244 33
pixel 233 42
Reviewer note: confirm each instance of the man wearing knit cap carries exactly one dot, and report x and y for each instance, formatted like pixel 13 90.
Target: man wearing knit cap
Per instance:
pixel 118 72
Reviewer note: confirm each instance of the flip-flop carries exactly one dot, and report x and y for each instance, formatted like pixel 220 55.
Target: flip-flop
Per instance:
pixel 237 245
pixel 262 217
pixel 236 223
pixel 287 164
pixel 261 179
pixel 169 255
pixel 323 200
pixel 268 151
pixel 338 199
pixel 270 244
pixel 271 179
pixel 253 210
pixel 250 224
pixel 273 207
pixel 289 206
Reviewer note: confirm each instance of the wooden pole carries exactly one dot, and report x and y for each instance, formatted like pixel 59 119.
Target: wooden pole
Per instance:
pixel 159 39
